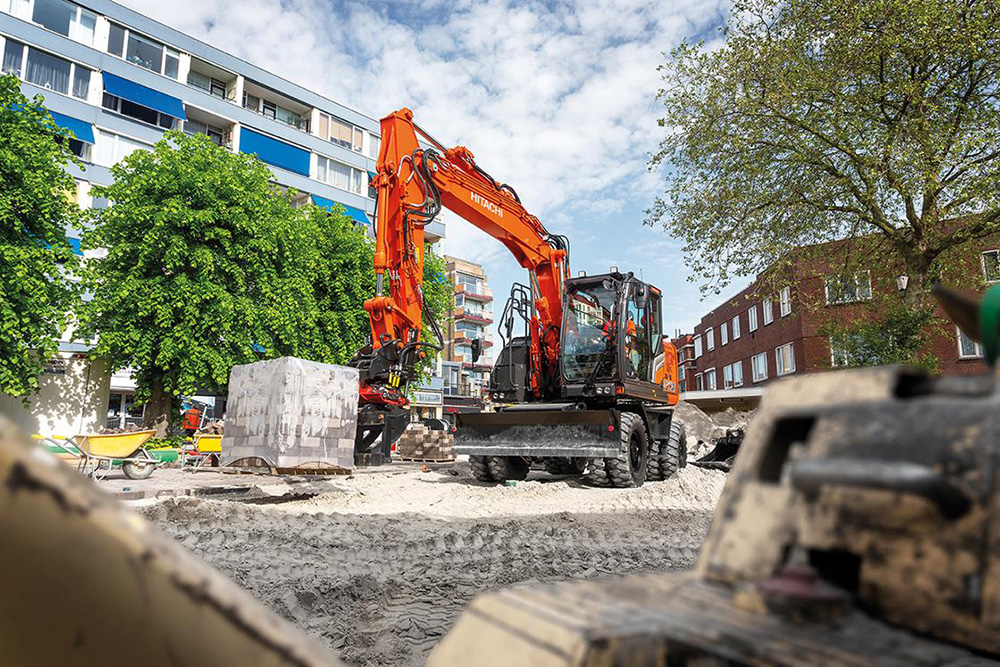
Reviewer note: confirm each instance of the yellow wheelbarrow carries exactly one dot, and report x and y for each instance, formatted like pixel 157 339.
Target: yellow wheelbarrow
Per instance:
pixel 98 453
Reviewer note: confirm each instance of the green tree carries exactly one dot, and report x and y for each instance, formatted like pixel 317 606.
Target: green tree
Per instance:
pixel 339 259
pixel 822 119
pixel 438 293
pixel 35 258
pixel 202 269
pixel 901 336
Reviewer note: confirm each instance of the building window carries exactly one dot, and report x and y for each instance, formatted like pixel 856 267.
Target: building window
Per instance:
pixel 710 379
pixel 111 148
pixel 208 84
pixel 785 301
pixel 738 374
pixel 968 348
pixel 699 381
pixel 340 132
pixel 839 355
pixel 338 175
pixel 724 333
pixel 680 373
pixel 732 375
pixel 736 327
pixel 66 19
pixel 784 359
pixel 45 70
pixel 19 8
pixel 710 338
pixel 758 366
pixel 991 266
pixel 697 347
pixel 143 52
pixel 459 300
pixel 768 308
pixel 138 112
pixel 373 146
pixel 848 288
pixel 752 317
pixel 216 134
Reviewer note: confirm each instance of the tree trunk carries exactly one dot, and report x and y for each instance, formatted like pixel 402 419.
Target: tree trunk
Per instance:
pixel 159 409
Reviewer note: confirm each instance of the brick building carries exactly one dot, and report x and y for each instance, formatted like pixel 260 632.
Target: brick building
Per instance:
pixel 751 339
pixel 686 367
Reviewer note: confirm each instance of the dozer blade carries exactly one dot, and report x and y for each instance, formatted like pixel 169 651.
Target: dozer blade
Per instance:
pixel 544 432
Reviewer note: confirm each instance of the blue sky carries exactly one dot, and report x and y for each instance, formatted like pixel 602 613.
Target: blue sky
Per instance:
pixel 554 98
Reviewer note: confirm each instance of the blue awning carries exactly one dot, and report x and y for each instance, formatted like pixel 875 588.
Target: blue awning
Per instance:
pixel 83 131
pixel 355 214
pixel 147 97
pixel 274 152
pixel 75 244
pixel 372 175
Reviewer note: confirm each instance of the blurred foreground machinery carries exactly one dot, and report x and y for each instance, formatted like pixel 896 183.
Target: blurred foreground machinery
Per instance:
pixel 859 525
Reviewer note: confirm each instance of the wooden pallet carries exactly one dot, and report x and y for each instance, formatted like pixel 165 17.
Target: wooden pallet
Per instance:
pixel 271 470
pixel 409 459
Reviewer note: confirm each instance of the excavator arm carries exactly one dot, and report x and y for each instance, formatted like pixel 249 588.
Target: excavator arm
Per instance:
pixel 414 182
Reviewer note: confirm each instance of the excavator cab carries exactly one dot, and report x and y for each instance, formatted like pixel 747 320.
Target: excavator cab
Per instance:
pixel 613 346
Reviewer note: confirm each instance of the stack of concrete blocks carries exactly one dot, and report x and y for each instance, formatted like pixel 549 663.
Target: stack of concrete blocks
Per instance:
pixel 291 413
pixel 421 443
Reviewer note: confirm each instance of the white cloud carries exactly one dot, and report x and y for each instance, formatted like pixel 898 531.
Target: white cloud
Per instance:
pixel 555 98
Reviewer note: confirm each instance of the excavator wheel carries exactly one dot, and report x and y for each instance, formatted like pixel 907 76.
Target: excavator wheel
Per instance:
pixel 565 466
pixel 481 468
pixel 628 470
pixel 596 474
pixel 672 454
pixel 507 468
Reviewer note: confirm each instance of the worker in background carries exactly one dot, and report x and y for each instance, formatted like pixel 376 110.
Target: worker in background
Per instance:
pixel 190 419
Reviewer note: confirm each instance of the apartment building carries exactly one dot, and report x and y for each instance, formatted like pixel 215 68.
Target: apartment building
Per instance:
pixel 118 80
pixel 759 335
pixel 466 381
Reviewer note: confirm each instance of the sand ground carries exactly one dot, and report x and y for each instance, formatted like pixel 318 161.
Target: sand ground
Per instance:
pixel 381 565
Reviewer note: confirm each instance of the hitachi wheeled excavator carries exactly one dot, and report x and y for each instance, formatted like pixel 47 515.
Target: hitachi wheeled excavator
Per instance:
pixel 585 387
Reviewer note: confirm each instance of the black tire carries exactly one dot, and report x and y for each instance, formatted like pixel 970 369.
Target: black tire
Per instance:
pixel 597 474
pixel 481 468
pixel 671 453
pixel 565 466
pixel 508 468
pixel 139 469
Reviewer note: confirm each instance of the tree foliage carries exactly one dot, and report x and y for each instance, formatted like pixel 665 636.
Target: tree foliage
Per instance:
pixel 35 257
pixel 901 336
pixel 209 265
pixel 822 119
pixel 438 294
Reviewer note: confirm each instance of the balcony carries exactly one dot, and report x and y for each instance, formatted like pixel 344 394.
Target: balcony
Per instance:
pixel 483 294
pixel 462 314
pixel 218 129
pixel 478 366
pixel 213 80
pixel 275 106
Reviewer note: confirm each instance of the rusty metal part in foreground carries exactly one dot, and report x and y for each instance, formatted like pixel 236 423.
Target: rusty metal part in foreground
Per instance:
pixel 859 526
pixel 86 581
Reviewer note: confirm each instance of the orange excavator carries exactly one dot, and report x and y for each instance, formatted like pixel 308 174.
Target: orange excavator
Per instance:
pixel 588 385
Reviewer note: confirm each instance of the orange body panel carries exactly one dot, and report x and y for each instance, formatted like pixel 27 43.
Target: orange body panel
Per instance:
pixel 666 375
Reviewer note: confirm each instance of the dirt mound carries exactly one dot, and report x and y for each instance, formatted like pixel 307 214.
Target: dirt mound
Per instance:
pixel 382 587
